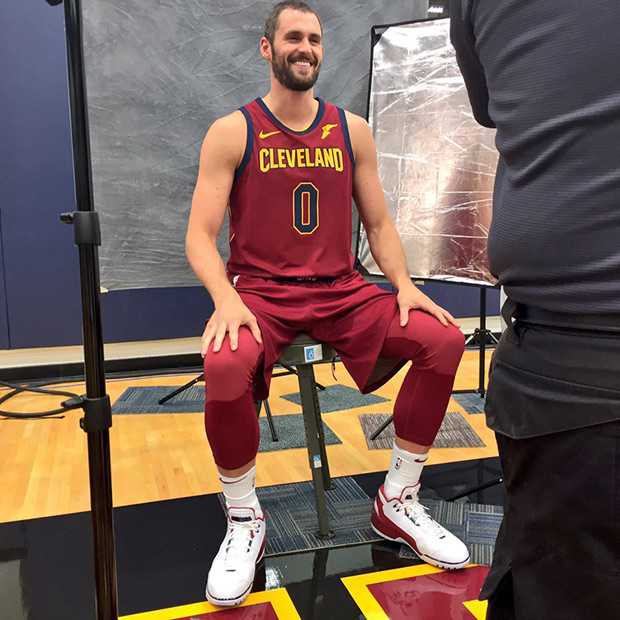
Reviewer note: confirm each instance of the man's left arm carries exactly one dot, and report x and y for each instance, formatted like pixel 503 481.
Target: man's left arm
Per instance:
pixel 384 241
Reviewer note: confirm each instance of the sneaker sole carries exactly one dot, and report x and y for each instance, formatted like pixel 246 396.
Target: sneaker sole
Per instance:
pixel 422 556
pixel 231 602
pixel 228 602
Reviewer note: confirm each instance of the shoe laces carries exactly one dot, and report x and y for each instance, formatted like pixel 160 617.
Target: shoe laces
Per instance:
pixel 419 514
pixel 241 536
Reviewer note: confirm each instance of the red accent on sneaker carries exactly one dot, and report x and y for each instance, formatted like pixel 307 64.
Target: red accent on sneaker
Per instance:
pixel 387 528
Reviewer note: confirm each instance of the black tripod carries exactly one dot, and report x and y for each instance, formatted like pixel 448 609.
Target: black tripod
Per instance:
pixel 96 404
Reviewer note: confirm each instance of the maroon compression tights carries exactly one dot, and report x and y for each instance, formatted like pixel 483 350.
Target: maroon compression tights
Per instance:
pixel 435 351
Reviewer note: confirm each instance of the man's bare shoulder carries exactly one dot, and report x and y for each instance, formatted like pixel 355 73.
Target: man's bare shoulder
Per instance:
pixel 356 122
pixel 361 136
pixel 225 140
pixel 230 127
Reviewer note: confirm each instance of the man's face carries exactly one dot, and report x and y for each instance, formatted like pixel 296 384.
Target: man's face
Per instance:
pixel 297 50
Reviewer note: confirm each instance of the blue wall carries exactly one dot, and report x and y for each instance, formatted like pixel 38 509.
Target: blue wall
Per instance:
pixel 39 274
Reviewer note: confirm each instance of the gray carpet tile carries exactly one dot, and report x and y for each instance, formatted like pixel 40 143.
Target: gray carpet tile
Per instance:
pixel 143 400
pixel 475 524
pixel 472 403
pixel 455 432
pixel 290 432
pixel 339 397
pixel 290 512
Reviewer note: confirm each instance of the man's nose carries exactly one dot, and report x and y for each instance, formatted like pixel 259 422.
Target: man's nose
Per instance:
pixel 305 47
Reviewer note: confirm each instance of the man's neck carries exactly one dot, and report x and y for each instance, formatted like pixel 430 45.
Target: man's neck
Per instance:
pixel 295 109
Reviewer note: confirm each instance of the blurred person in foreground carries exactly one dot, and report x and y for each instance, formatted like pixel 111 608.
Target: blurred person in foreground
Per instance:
pixel 545 73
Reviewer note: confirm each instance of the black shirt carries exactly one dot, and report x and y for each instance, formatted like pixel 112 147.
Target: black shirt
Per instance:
pixel 546 74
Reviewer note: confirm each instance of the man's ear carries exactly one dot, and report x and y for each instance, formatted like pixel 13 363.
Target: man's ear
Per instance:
pixel 265 48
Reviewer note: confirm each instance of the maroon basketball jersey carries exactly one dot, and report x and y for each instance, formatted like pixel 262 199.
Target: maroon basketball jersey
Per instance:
pixel 290 204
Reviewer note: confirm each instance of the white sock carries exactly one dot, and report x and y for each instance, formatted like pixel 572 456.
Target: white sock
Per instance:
pixel 240 492
pixel 405 470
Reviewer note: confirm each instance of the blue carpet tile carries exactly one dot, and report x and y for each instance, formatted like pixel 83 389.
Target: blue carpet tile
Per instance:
pixel 472 403
pixel 290 513
pixel 143 400
pixel 455 432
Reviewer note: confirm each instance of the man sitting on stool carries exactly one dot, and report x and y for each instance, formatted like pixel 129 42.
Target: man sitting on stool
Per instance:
pixel 288 165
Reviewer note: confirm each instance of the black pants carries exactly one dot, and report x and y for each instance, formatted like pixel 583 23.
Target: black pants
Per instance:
pixel 558 550
pixel 554 402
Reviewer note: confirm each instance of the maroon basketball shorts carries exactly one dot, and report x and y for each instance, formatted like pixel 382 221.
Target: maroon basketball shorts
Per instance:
pixel 348 313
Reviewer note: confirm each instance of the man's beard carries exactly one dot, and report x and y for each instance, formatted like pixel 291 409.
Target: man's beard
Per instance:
pixel 283 72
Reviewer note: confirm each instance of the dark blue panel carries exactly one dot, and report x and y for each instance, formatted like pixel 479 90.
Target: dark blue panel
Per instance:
pixel 4 323
pixel 461 300
pixel 151 314
pixel 35 157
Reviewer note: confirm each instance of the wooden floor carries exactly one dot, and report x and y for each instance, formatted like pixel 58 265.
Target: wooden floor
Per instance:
pixel 44 469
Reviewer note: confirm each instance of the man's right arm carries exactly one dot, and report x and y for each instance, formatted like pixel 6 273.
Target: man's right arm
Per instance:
pixel 221 153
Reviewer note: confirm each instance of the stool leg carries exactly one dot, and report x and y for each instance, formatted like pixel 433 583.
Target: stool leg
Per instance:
pixel 316 454
pixel 272 428
pixel 327 481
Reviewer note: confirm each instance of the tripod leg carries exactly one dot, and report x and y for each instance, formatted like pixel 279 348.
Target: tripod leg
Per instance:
pixel 166 398
pixel 481 487
pixel 272 428
pixel 381 428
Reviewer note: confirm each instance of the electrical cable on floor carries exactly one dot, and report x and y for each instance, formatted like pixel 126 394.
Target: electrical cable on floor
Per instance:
pixel 74 401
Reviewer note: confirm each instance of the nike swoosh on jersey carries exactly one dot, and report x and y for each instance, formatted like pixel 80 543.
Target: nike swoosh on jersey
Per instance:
pixel 266 135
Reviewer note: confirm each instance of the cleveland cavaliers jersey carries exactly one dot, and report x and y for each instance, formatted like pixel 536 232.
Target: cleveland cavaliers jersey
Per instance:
pixel 290 204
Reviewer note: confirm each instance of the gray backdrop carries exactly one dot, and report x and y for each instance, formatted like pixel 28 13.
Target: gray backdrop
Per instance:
pixel 437 165
pixel 158 74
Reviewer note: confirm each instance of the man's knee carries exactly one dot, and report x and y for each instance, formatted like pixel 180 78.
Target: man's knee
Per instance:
pixel 229 373
pixel 444 348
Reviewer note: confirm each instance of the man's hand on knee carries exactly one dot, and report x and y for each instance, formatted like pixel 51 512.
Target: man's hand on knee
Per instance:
pixel 412 298
pixel 228 317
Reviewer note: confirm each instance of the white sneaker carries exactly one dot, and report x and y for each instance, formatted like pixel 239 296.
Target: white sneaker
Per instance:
pixel 403 519
pixel 232 572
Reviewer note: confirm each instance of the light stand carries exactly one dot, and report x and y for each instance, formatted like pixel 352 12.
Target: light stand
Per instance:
pixel 96 404
pixel 481 336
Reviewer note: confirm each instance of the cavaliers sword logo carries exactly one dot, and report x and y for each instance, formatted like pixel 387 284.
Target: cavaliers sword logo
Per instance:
pixel 326 129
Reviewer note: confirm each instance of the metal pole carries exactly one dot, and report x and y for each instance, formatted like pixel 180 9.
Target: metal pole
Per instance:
pixel 483 339
pixel 98 415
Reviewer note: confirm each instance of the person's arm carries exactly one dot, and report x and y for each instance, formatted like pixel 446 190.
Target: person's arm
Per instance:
pixel 383 238
pixel 221 153
pixel 464 43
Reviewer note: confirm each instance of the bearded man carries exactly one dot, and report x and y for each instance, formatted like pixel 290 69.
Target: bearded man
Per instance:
pixel 291 270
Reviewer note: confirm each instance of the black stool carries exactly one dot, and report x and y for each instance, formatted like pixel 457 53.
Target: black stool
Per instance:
pixel 302 353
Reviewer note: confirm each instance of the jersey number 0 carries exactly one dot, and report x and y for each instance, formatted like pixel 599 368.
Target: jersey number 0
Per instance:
pixel 306 208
